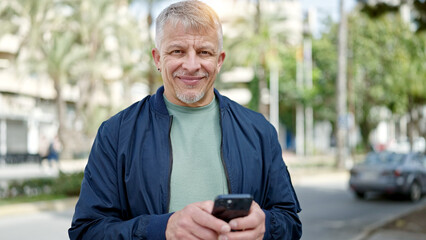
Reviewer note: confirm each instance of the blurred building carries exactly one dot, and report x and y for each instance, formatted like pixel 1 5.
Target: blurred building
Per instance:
pixel 28 113
pixel 27 110
pixel 392 132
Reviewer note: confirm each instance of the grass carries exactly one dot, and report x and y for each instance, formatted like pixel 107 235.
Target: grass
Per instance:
pixel 30 199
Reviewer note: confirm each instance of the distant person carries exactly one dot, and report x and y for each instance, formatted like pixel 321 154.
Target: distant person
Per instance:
pixel 53 152
pixel 43 148
pixel 156 166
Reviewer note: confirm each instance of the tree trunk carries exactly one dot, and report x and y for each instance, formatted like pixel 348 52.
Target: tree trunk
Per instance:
pixel 341 121
pixel 61 116
pixel 411 121
pixel 365 131
pixel 263 109
pixel 152 69
pixel 260 71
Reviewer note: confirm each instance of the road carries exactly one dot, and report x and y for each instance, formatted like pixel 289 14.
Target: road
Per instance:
pixel 331 212
pixel 36 226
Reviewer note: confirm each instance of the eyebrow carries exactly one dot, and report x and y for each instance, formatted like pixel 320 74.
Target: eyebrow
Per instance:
pixel 202 46
pixel 176 45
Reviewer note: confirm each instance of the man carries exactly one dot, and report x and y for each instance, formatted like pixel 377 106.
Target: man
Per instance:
pixel 155 167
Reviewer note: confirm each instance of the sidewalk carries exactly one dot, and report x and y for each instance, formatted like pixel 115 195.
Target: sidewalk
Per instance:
pixel 407 226
pixel 402 227
pixel 35 207
pixel 34 170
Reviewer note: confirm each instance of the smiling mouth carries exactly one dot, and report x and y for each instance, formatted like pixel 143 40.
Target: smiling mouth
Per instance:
pixel 190 79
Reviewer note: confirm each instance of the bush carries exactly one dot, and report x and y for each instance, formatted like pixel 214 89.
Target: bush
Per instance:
pixel 68 184
pixel 64 184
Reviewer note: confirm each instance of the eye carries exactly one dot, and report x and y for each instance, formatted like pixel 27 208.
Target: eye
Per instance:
pixel 177 51
pixel 205 53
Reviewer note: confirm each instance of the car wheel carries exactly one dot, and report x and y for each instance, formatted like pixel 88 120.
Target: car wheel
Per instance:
pixel 360 195
pixel 415 192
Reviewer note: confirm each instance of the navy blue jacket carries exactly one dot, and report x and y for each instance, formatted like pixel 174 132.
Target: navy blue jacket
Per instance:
pixel 125 192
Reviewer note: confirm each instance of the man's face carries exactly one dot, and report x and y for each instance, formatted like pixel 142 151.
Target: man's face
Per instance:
pixel 189 62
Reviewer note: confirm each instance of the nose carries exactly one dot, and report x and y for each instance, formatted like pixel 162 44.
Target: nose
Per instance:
pixel 191 62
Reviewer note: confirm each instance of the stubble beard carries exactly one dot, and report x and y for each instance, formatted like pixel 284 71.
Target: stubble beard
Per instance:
pixel 190 98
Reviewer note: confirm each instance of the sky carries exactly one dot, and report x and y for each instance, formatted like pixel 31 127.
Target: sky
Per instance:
pixel 330 7
pixel 327 6
pixel 323 8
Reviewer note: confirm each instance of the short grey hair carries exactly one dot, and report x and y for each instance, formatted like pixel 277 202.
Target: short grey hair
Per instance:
pixel 193 15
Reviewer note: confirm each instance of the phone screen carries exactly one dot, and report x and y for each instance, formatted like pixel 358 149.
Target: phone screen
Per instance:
pixel 230 206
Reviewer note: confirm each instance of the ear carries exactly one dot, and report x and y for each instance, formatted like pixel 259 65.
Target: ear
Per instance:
pixel 220 60
pixel 156 56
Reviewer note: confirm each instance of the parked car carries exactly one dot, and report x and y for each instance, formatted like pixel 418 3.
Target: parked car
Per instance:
pixel 390 173
pixel 403 145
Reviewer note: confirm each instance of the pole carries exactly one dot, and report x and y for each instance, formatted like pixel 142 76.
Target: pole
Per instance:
pixel 300 117
pixel 274 102
pixel 3 146
pixel 309 118
pixel 342 120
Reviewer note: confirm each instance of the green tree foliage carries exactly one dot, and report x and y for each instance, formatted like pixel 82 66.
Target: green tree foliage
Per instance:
pixel 257 43
pixel 324 54
pixel 378 8
pixel 76 44
pixel 270 49
pixel 388 65
pixel 153 79
pixel 386 68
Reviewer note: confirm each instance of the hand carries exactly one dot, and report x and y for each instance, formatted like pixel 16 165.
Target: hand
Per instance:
pixel 250 227
pixel 196 222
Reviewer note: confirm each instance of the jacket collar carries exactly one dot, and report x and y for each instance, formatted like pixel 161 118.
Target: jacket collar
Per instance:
pixel 158 101
pixel 160 106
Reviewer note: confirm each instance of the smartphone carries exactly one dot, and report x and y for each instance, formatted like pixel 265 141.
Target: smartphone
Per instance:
pixel 230 206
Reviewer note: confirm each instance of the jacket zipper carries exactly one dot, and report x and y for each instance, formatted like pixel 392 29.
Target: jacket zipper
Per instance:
pixel 228 182
pixel 171 162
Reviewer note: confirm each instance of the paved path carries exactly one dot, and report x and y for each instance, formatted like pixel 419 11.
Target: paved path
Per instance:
pixel 34 170
pixel 45 225
pixel 44 217
pixel 330 211
pixel 396 235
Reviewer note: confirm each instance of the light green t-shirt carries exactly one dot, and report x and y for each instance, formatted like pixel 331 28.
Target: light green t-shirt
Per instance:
pixel 198 173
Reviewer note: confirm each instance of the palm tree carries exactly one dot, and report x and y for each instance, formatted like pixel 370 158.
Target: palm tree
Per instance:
pixel 34 15
pixel 60 55
pixel 66 40
pixel 261 48
pixel 152 77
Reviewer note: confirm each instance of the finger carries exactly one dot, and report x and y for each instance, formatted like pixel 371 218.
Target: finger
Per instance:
pixel 207 206
pixel 180 233
pixel 207 220
pixel 203 233
pixel 243 235
pixel 255 218
pixel 181 225
pixel 192 237
pixel 201 228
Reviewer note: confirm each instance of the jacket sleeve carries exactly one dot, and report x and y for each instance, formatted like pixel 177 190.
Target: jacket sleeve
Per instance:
pixel 99 210
pixel 281 203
